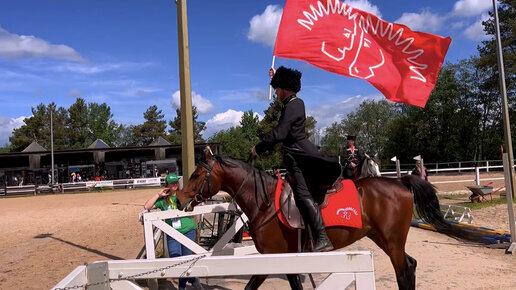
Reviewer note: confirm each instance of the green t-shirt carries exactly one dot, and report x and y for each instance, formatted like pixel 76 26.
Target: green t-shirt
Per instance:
pixel 169 203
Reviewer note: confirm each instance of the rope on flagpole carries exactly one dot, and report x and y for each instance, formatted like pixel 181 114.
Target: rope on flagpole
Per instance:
pixel 270 87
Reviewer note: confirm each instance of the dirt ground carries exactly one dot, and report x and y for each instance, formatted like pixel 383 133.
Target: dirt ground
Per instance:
pixel 45 237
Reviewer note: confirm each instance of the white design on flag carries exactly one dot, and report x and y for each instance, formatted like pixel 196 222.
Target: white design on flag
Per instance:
pixel 366 26
pixel 345 213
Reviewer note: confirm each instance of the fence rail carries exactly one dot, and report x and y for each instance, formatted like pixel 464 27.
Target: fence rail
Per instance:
pixel 82 186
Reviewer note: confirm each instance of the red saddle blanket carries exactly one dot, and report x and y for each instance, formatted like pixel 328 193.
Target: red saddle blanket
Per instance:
pixel 341 208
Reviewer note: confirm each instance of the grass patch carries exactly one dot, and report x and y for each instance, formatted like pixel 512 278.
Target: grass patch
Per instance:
pixel 483 204
pixel 460 196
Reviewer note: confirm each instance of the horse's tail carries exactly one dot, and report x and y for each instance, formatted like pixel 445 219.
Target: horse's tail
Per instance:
pixel 428 209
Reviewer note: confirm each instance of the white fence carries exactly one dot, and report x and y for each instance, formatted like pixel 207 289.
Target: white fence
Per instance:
pixel 447 167
pixel 82 186
pixel 344 267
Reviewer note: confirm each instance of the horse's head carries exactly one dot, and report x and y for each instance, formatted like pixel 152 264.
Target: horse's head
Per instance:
pixel 204 182
pixel 370 167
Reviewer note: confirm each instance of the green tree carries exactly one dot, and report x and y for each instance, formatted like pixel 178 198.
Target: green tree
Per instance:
pixel 310 124
pixel 101 124
pixel 124 137
pixel 270 120
pixel 174 135
pixel 37 128
pixel 232 142
pixel 488 63
pixel 236 142
pixel 78 124
pixel 153 127
pixel 369 123
pixel 333 142
pixel 446 129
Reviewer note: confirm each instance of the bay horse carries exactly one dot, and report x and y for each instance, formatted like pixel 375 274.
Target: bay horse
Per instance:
pixel 386 203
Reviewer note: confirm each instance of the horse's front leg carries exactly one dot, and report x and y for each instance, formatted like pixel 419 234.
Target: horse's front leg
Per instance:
pixel 255 282
pixel 295 281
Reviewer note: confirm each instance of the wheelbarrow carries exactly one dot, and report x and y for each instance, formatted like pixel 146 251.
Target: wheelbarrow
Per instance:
pixel 479 192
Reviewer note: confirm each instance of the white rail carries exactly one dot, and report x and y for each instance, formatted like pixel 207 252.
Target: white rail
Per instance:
pixel 344 267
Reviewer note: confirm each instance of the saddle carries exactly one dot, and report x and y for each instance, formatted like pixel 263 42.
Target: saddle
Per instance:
pixel 288 211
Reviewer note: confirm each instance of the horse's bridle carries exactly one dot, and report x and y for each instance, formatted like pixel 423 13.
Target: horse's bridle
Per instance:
pixel 199 198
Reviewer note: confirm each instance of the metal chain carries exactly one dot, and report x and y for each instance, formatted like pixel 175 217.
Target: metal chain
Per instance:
pixel 194 260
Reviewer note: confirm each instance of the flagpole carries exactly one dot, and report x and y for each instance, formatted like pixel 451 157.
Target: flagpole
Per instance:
pixel 509 177
pixel 270 87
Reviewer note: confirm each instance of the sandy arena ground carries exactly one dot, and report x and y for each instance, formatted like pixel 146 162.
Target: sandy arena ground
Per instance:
pixel 45 237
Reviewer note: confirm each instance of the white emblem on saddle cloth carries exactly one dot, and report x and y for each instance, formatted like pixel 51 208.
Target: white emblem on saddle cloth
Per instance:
pixel 345 213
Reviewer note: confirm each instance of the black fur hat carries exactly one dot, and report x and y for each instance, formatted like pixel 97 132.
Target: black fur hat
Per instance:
pixel 287 79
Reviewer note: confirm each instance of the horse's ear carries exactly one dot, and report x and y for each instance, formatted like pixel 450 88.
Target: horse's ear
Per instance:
pixel 376 156
pixel 208 154
pixel 367 156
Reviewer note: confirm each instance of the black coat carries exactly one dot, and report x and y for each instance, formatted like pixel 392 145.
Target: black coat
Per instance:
pixel 351 156
pixel 317 168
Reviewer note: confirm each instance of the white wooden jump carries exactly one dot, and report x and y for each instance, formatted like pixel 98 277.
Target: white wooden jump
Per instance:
pixel 343 268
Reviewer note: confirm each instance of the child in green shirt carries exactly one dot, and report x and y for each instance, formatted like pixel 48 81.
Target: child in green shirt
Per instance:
pixel 166 200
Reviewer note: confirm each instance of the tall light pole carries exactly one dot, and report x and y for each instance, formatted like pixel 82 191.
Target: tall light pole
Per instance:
pixel 503 91
pixel 509 176
pixel 187 138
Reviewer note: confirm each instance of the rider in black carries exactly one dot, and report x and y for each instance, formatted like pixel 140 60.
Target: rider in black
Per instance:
pixel 301 157
pixel 351 159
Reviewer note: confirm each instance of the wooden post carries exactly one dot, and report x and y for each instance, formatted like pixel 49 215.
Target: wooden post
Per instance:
pixel 510 208
pixel 187 138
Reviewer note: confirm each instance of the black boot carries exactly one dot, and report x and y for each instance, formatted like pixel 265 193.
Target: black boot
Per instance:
pixel 312 217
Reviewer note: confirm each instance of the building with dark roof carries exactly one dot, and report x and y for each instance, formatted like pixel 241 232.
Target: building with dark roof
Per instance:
pixel 33 165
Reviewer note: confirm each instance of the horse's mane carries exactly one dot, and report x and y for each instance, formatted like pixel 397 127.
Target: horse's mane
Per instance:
pixel 237 163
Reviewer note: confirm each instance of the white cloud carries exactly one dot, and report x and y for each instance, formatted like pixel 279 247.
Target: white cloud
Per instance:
pixel 325 115
pixel 203 105
pixel 364 5
pixel 424 21
pixel 476 31
pixel 90 69
pixel 458 25
pixel 14 46
pixel 7 125
pixel 264 27
pixel 223 121
pixel 471 7
pixel 74 93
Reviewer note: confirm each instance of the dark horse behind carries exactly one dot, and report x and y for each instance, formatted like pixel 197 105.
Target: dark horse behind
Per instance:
pixel 386 203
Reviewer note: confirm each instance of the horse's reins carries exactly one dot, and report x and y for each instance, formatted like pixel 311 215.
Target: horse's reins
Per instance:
pixel 199 198
pixel 265 196
pixel 207 179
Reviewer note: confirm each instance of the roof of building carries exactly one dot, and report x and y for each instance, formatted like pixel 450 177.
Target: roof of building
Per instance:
pixel 98 144
pixel 34 147
pixel 160 141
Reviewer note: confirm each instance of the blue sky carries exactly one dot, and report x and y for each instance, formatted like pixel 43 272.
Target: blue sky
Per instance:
pixel 124 53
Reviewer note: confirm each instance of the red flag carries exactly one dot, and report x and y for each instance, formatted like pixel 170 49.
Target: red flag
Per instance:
pixel 400 63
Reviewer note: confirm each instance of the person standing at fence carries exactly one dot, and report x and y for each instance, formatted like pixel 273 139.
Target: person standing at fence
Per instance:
pixel 166 200
pixel 417 171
